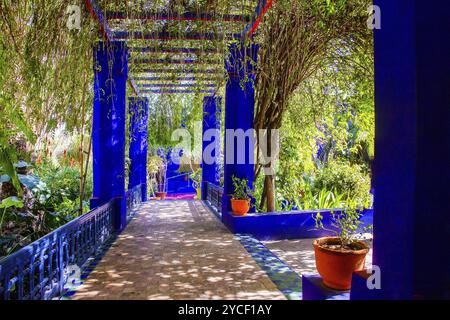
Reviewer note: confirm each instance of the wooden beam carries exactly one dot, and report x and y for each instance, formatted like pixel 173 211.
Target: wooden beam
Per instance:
pixel 175 61
pixel 181 71
pixel 261 10
pixel 174 50
pixel 187 16
pixel 176 85
pixel 138 35
pixel 178 79
pixel 178 91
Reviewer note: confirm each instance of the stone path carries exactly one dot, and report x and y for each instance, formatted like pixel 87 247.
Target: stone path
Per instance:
pixel 177 250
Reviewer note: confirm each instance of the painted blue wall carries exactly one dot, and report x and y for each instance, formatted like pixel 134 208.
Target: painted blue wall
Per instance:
pixel 412 161
pixel 284 225
pixel 108 133
pixel 144 148
pixel 177 183
pixel 314 289
pixel 239 114
pixel 212 109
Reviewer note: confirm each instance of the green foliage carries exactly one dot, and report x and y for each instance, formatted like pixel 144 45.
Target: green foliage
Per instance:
pixel 6 204
pixel 6 165
pixel 45 63
pixel 50 199
pixel 332 109
pixel 241 189
pixel 12 126
pixel 11 202
pixel 348 224
pixel 156 170
pixel 346 179
pixel 309 199
pixel 316 84
pixel 59 192
pixel 168 112
pixel 322 199
pixel 334 185
pixel 196 178
pixel 153 164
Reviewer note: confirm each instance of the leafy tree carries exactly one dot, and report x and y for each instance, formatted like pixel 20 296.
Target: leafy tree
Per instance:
pixel 295 39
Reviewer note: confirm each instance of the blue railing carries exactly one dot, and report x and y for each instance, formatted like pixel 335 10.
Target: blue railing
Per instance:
pixel 214 196
pixel 134 197
pixel 41 270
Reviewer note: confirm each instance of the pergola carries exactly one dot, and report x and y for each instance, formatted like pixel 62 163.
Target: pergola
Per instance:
pixel 199 48
pixel 169 52
pixel 412 110
pixel 412 157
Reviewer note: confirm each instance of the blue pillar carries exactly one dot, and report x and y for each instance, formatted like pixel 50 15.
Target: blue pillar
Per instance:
pixel 138 109
pixel 239 114
pixel 412 171
pixel 108 132
pixel 144 153
pixel 212 109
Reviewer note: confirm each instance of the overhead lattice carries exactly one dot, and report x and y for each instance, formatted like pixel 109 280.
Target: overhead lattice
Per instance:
pixel 177 46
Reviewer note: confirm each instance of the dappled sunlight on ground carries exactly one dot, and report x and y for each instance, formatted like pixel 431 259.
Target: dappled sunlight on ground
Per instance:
pixel 177 250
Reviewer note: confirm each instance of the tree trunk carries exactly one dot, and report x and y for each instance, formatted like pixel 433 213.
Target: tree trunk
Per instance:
pixel 269 188
pixel 263 197
pixel 269 178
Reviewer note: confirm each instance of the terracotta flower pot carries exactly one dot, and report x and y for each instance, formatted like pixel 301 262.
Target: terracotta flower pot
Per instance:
pixel 336 266
pixel 161 195
pixel 240 207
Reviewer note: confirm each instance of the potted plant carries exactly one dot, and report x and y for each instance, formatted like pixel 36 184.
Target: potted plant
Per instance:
pixel 240 201
pixel 157 170
pixel 162 181
pixel 153 164
pixel 339 256
pixel 196 177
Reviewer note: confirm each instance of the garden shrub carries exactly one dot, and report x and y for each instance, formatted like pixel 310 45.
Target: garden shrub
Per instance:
pixel 50 198
pixel 60 191
pixel 345 178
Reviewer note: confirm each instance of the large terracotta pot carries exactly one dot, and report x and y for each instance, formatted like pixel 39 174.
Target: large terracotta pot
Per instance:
pixel 240 207
pixel 161 195
pixel 336 267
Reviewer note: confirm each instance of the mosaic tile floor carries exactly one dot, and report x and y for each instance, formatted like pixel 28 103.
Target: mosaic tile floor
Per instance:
pixel 177 250
pixel 286 279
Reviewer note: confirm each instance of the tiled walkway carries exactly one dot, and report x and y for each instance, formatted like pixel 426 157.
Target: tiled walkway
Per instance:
pixel 177 250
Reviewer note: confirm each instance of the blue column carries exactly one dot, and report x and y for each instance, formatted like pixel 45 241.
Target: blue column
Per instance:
pixel 212 109
pixel 108 132
pixel 412 171
pixel 239 114
pixel 144 147
pixel 138 109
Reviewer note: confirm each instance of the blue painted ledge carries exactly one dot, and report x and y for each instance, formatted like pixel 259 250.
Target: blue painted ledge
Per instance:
pixel 284 225
pixel 314 289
